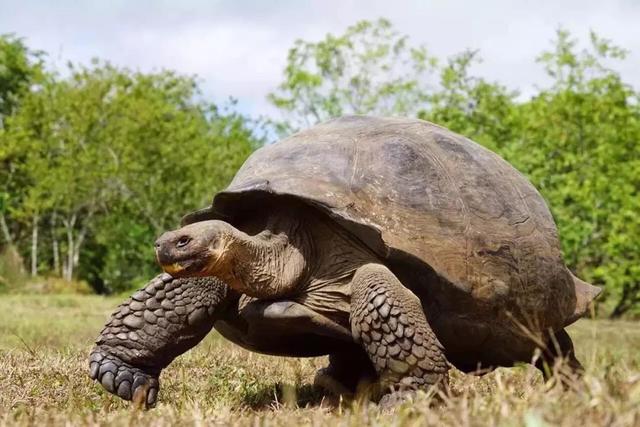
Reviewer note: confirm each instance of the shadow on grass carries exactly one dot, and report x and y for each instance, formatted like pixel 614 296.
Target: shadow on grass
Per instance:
pixel 278 394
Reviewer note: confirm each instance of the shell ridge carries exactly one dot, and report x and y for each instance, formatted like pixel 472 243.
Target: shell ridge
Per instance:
pixel 465 213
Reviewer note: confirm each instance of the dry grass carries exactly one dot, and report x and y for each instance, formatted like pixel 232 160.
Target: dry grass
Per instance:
pixel 44 342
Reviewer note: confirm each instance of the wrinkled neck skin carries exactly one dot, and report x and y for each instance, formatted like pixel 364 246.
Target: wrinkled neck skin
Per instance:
pixel 269 264
pixel 294 251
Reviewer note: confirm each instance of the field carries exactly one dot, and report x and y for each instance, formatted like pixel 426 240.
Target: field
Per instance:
pixel 44 342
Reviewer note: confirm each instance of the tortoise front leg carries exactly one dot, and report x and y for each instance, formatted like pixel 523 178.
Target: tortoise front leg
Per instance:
pixel 389 322
pixel 155 325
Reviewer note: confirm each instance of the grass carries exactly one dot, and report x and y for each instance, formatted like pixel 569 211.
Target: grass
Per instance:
pixel 44 342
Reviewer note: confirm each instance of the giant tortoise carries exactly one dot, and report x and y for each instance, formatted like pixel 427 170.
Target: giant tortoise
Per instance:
pixel 394 246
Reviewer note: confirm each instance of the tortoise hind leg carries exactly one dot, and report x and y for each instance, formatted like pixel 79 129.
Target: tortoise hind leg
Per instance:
pixel 389 322
pixel 559 358
pixel 348 372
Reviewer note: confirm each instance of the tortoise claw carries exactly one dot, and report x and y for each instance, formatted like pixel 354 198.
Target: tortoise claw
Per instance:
pixel 140 397
pixel 124 380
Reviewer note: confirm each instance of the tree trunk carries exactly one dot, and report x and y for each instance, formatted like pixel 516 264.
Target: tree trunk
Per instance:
pixel 78 245
pixel 68 271
pixel 34 246
pixel 630 297
pixel 5 230
pixel 56 256
pixel 55 246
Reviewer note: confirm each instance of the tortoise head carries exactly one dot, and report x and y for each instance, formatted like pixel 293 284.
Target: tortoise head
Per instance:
pixel 196 249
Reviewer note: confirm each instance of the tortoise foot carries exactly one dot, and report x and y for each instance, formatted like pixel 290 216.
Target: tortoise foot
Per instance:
pixel 349 374
pixel 124 380
pixel 326 381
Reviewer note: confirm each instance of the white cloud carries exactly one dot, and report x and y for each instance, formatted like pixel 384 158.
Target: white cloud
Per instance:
pixel 239 48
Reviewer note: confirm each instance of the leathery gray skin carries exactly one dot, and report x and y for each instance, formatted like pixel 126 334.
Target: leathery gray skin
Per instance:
pixel 154 326
pixel 385 318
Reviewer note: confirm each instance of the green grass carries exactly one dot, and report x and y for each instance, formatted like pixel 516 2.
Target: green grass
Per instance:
pixel 45 340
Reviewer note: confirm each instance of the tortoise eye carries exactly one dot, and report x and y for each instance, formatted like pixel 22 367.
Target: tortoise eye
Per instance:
pixel 184 241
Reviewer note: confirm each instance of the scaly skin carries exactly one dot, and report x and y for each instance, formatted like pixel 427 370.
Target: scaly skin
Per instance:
pixel 388 320
pixel 158 323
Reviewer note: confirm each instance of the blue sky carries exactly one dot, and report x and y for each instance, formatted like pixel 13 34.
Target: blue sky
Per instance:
pixel 239 47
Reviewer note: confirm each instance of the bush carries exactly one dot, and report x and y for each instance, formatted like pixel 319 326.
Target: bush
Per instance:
pixel 56 285
pixel 12 274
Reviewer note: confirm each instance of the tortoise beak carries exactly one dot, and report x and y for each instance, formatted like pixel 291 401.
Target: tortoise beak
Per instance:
pixel 186 252
pixel 177 263
pixel 162 254
pixel 173 269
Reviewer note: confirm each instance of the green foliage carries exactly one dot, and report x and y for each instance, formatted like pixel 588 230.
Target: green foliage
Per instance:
pixel 581 138
pixel 576 140
pixel 108 160
pixel 97 163
pixel 370 69
pixel 20 68
pixel 481 110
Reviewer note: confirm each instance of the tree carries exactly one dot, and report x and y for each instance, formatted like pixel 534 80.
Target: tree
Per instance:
pixel 370 69
pixel 481 110
pixel 111 159
pixel 579 145
pixel 20 69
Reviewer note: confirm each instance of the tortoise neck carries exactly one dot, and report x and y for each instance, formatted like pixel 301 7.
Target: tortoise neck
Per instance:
pixel 270 264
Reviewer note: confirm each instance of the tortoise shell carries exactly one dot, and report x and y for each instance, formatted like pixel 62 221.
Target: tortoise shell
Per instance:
pixel 410 187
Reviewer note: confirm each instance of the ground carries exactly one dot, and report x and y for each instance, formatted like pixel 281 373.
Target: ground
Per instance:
pixel 45 340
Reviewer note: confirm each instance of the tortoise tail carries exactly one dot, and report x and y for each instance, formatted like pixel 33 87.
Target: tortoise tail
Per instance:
pixel 585 293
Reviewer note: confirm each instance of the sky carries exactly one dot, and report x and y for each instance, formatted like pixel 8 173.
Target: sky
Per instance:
pixel 238 47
